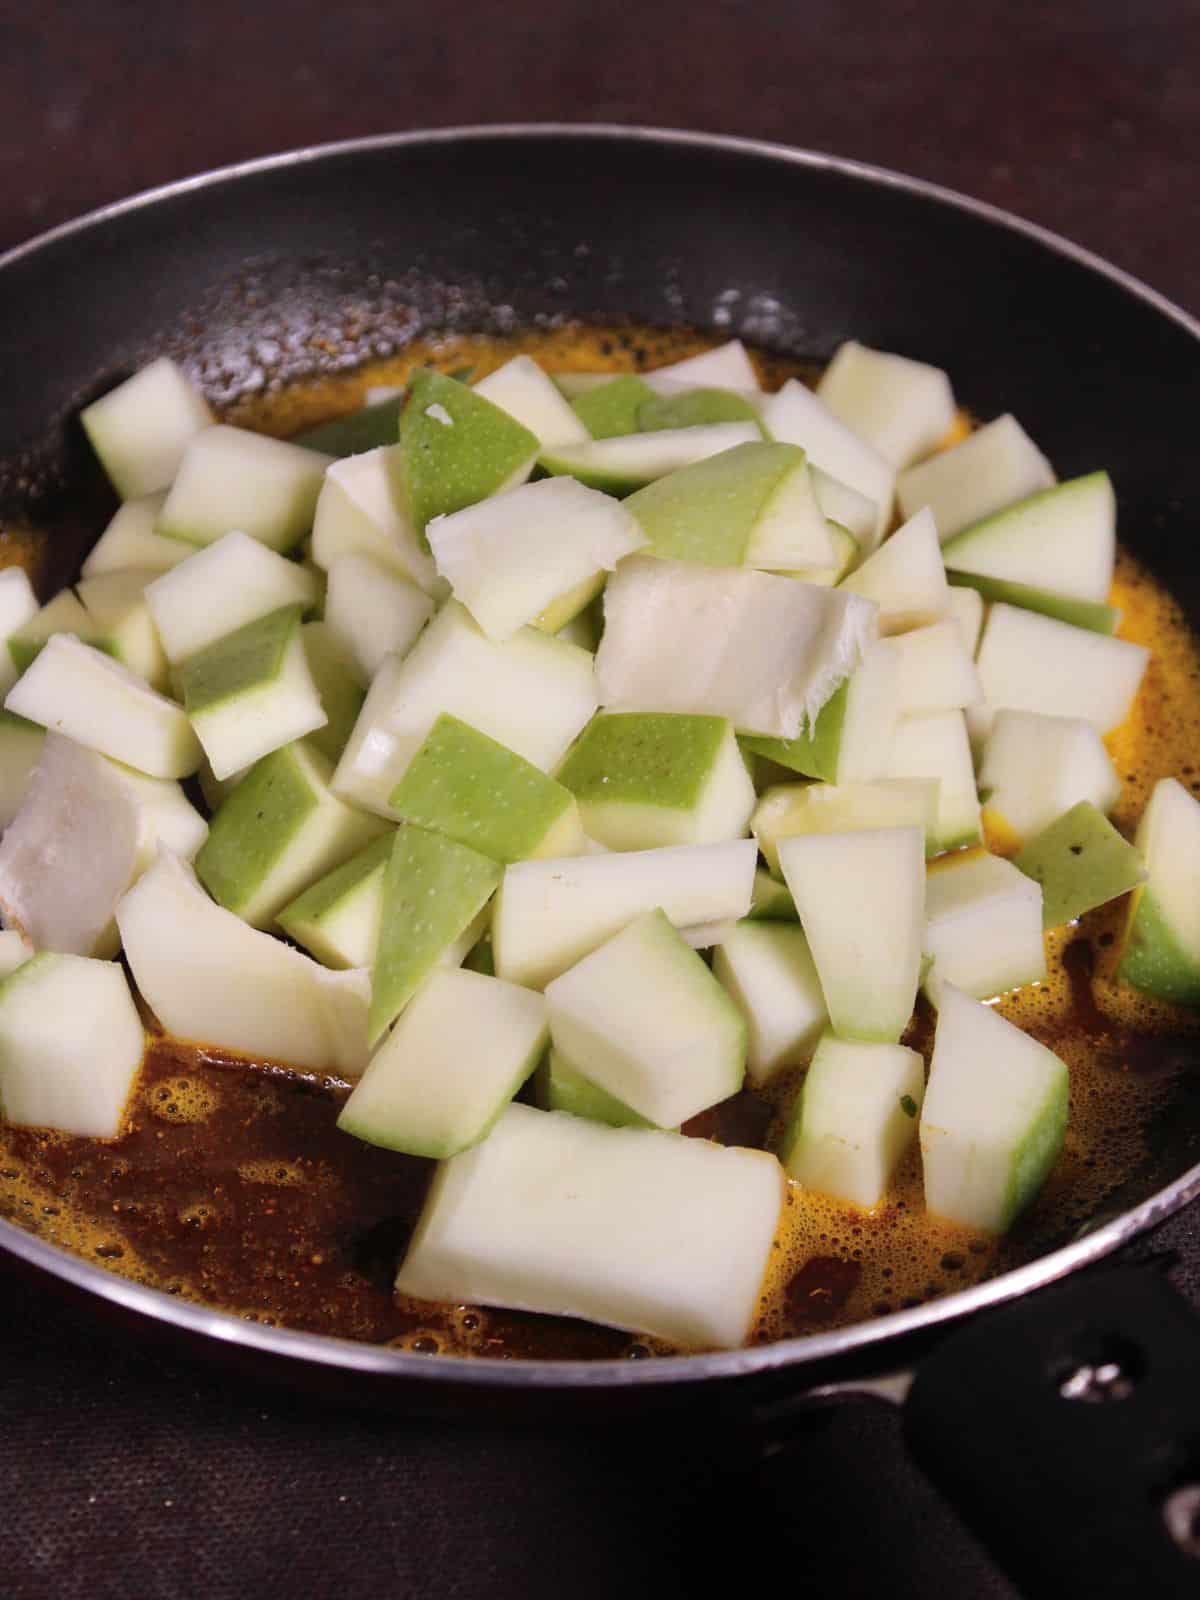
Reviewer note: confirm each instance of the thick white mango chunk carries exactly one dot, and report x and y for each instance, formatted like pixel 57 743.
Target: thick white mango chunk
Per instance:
pixel 141 428
pixel 549 914
pixel 1036 767
pixel 209 977
pixel 219 589
pixel 96 701
pixel 854 1119
pixel 861 902
pixel 533 694
pixel 87 829
pixel 558 1214
pixel 786 809
pixel 794 415
pixel 935 671
pixel 71 1044
pixel 130 541
pixel 463 1046
pixel 936 746
pixel 1028 662
pixel 65 613
pixel 726 366
pixel 904 408
pixel 230 478
pixel 847 508
pixel 989 470
pixel 768 971
pixel 983 926
pixel 766 652
pixel 994 1116
pixel 1063 540
pixel 905 577
pixel 509 557
pixel 372 611
pixel 644 1018
pixel 521 388
pixel 361 511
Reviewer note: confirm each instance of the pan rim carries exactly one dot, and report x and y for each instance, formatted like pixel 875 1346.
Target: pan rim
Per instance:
pixel 490 1373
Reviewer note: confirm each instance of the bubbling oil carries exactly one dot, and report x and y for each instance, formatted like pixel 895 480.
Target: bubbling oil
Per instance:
pixel 233 1187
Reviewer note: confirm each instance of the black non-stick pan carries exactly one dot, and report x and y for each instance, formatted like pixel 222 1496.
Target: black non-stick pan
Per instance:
pixel 1066 1422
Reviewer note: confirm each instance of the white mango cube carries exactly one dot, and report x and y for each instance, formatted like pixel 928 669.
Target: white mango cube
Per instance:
pixel 361 511
pixel 373 611
pixel 1036 767
pixel 116 603
pixel 87 829
pixel 855 1119
pixel 935 746
pixel 861 901
pixel 130 541
pixel 1028 662
pixel 787 809
pixel 557 1214
pixel 230 478
pixel 96 701
pixel 766 652
pixel 983 926
pixel 549 914
pixel 521 388
pixel 990 469
pixel 768 971
pixel 966 608
pixel 510 556
pixel 18 606
pixel 794 415
pixel 533 694
pixel 726 366
pixel 219 589
pixel 463 1046
pixel 994 1116
pixel 141 428
pixel 935 671
pixel 905 577
pixel 904 408
pixel 644 1019
pixel 210 978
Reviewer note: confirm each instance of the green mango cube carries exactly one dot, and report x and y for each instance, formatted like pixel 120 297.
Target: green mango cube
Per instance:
pixel 338 918
pixel 1081 862
pixel 611 410
pixel 462 784
pixel 1162 949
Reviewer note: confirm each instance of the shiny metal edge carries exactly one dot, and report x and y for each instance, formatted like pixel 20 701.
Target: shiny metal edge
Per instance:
pixel 489 1373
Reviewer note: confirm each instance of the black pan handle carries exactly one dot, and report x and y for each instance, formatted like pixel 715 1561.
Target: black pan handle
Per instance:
pixel 1065 1429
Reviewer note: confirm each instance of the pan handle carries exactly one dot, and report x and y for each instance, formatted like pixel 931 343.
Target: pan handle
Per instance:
pixel 1065 1429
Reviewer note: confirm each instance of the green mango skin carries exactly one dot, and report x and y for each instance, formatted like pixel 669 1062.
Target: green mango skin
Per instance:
pixel 433 888
pixel 707 512
pixel 1154 959
pixel 558 1087
pixel 329 891
pixel 611 410
pixel 814 753
pixel 652 758
pixel 695 408
pixel 338 689
pixel 1079 613
pixel 1038 1151
pixel 771 901
pixel 254 827
pixel 356 432
pixel 1081 862
pixel 248 658
pixel 478 792
pixel 444 468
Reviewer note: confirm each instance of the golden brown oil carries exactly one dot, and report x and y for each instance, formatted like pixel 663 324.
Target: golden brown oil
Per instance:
pixel 233 1186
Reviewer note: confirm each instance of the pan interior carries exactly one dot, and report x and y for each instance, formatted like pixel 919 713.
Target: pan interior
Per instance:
pixel 233 1187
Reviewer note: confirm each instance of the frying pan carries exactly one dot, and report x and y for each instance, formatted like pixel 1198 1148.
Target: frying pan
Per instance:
pixel 1066 1425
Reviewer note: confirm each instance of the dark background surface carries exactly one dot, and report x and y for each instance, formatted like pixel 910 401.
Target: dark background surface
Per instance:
pixel 127 1469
